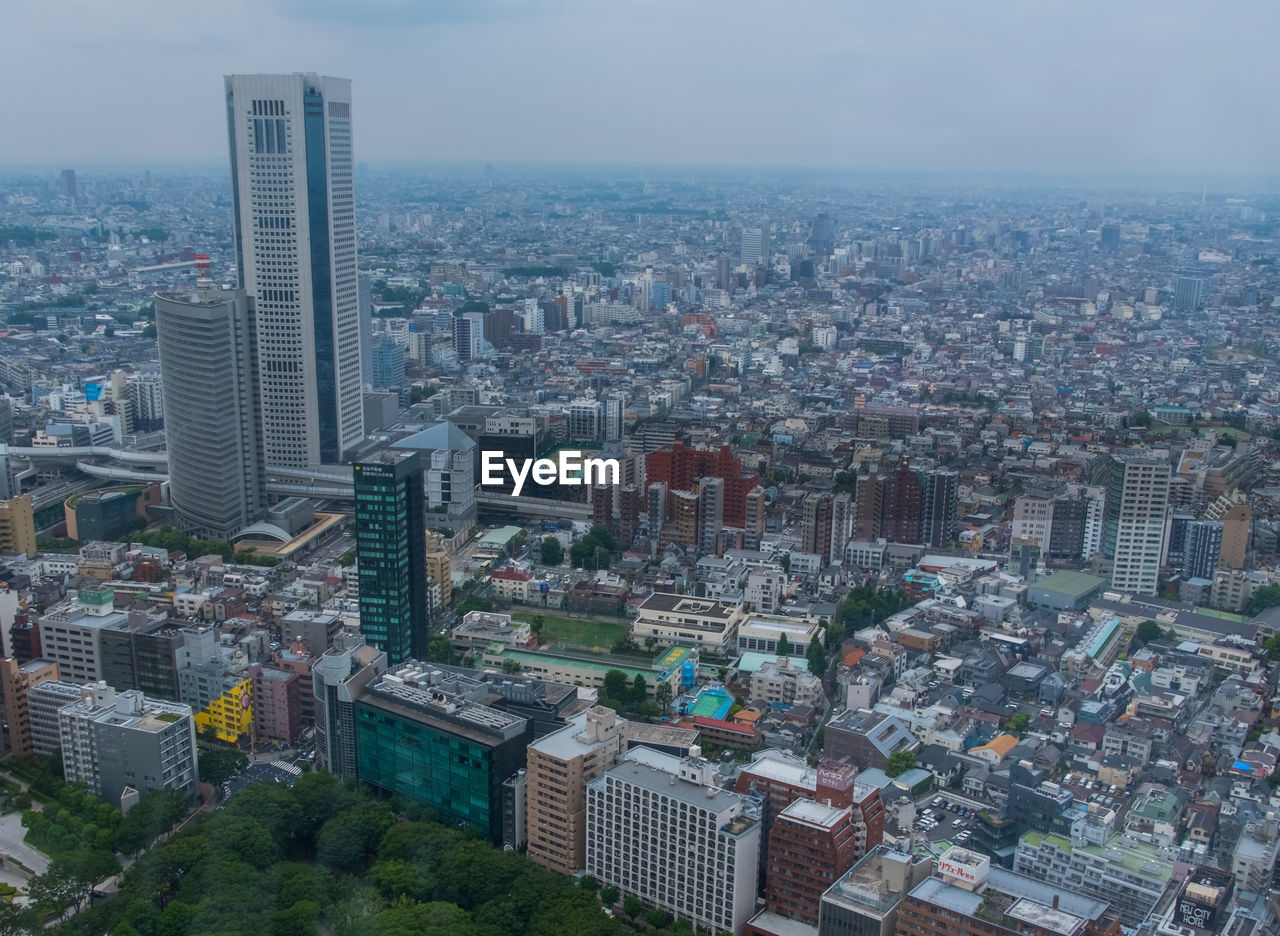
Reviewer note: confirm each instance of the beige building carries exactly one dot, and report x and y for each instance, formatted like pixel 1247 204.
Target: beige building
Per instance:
pixel 17 526
pixel 16 681
pixel 784 681
pixel 439 572
pixel 696 622
pixel 1233 510
pixel 560 765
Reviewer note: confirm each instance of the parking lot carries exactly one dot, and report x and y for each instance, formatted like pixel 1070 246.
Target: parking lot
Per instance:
pixel 940 818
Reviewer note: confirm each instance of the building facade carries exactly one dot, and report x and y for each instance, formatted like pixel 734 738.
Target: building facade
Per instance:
pixel 293 198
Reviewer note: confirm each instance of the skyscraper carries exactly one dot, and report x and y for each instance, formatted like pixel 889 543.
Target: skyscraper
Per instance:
pixel 941 492
pixel 1136 522
pixel 753 250
pixel 391 553
pixel 208 368
pixel 69 183
pixel 388 364
pixel 293 196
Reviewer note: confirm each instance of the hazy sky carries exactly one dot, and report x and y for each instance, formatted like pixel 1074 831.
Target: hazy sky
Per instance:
pixel 1161 86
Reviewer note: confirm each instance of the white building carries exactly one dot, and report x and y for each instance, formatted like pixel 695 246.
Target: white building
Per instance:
pixel 1137 521
pixel 290 142
pixel 660 828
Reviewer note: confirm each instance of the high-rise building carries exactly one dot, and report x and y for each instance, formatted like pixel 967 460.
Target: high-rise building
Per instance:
pixel 560 765
pixel 117 740
pixel 680 467
pixel 1188 293
pixel 630 506
pixel 810 846
pixel 940 490
pixel 1136 521
pixel 659 827
pixel 391 554
pixel 439 570
pixel 468 336
pixel 755 507
pixel 586 419
pixel 293 197
pixel 841 526
pixel 710 514
pixel 1233 510
pixel 753 249
pixel 822 236
pixel 17 527
pixel 865 900
pixel 815 524
pixel 1202 548
pixel 146 401
pixel 69 183
pixel 388 363
pixel 656 509
pixel 902 511
pixel 364 286
pixel 338 676
pixel 613 407
pixel 209 369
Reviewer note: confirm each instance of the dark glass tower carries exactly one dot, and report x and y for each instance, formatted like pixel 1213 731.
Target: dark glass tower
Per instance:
pixel 391 549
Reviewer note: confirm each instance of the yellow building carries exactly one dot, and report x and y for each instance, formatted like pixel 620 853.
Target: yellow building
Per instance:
pixel 17 526
pixel 231 714
pixel 439 571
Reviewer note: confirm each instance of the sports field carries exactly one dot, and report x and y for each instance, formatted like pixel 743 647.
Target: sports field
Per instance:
pixel 711 703
pixel 580 633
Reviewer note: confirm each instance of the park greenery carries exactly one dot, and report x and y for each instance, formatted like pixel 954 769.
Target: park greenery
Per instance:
pixel 866 606
pixel 325 856
pixel 552 553
pixel 900 762
pixel 170 539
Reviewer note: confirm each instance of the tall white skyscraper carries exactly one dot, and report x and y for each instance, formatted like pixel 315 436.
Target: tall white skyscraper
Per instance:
pixel 1137 521
pixel 293 194
pixel 753 252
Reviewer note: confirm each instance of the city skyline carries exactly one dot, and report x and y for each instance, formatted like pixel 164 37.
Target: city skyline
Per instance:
pixel 1098 91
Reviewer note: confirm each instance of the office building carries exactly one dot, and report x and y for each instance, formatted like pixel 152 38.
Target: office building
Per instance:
pixel 364 300
pixel 1188 293
pixel 17 527
pixel 208 363
pixel 659 827
pixel 439 570
pixel 559 767
pixel 1202 548
pixel 438 748
pixel 117 741
pixel 16 682
pixel 586 419
pixel 338 676
pixel 968 896
pixel 754 247
pixel 293 198
pixel 69 184
pixel 277 704
pixel 388 364
pixel 866 738
pixel 71 633
pixel 139 651
pixel 680 468
pixel 391 554
pixel 468 337
pixel 1136 521
pixel 815 525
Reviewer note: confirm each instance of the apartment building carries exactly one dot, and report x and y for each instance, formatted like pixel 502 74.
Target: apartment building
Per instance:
pixel 660 828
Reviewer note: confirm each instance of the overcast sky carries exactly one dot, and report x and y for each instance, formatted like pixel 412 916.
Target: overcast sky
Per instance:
pixel 1159 86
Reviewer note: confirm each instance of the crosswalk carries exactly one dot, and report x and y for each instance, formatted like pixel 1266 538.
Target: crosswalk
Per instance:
pixel 287 768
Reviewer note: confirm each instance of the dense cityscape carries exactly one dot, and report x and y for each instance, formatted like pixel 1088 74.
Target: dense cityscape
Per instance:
pixel 937 590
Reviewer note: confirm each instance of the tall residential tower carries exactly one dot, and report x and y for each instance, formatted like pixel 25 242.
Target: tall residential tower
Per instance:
pixel 293 194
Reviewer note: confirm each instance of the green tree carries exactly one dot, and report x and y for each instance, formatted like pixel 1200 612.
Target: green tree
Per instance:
pixel 439 650
pixel 615 685
pixel 154 814
pixel 632 906
pixel 785 562
pixel 149 331
pixel 1018 724
pixel 784 646
pixel 639 690
pixel 217 767
pixel 1148 631
pixel 537 624
pixel 900 762
pixel 664 695
pixel 1266 597
pixel 346 841
pixel 658 918
pixel 817 658
pixel 1142 418
pixel 609 895
pixel 474 603
pixel 834 634
pixel 589 883
pixel 552 551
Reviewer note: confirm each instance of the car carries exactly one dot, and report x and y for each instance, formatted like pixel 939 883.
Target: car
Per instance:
pixel 956 824
pixel 937 801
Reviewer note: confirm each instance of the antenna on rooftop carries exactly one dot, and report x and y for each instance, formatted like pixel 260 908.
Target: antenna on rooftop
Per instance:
pixel 203 283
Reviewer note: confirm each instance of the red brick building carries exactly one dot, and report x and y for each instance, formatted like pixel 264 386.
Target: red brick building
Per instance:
pixel 680 468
